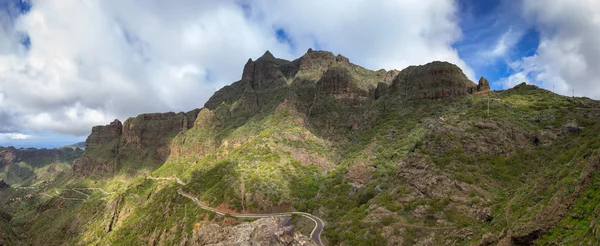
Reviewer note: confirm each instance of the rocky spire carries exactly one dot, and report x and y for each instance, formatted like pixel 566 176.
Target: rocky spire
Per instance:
pixel 483 85
pixel 267 56
pixel 248 72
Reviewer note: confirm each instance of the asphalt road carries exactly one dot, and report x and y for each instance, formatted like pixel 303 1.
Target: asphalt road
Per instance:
pixel 315 235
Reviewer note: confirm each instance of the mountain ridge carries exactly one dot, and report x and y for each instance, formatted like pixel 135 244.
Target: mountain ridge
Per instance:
pixel 417 156
pixel 318 72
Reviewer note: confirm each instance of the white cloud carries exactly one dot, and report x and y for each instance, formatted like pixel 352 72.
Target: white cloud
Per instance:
pixel 513 80
pixel 568 56
pixel 92 61
pixel 376 34
pixel 14 136
pixel 505 43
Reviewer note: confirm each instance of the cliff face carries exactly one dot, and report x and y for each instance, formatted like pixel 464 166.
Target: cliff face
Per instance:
pixel 309 82
pixel 432 81
pixel 339 83
pixel 121 147
pixel 324 74
pixel 104 134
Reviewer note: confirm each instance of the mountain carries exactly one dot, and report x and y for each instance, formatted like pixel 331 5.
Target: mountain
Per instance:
pixel 22 167
pixel 141 143
pixel 417 156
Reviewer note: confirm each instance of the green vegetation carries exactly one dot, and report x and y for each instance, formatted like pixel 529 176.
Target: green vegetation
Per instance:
pixel 378 171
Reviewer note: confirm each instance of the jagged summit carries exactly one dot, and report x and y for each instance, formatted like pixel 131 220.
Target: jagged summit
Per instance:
pixel 483 84
pixel 267 56
pixel 335 75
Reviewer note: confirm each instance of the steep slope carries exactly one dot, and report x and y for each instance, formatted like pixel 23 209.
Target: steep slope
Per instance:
pixel 7 235
pixel 419 156
pixel 141 143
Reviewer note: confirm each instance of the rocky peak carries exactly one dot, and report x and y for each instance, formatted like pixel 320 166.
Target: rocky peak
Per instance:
pixel 267 72
pixel 432 81
pixel 483 85
pixel 341 58
pixel 338 82
pixel 248 72
pixel 103 134
pixel 334 75
pixel 267 56
pixel 313 64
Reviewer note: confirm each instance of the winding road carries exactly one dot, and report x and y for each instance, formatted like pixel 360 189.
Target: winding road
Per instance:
pixel 315 235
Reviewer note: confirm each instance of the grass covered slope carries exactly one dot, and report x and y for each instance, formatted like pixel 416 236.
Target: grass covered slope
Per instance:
pixel 408 171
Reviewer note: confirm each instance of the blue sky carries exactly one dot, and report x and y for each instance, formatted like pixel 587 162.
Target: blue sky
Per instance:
pixel 484 24
pixel 67 65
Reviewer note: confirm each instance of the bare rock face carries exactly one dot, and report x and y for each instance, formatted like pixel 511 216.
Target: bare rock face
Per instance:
pixel 101 150
pixel 434 80
pixel 248 72
pixel 104 134
pixel 338 82
pixel 322 72
pixel 267 73
pixel 145 137
pixel 483 85
pixel 148 129
pixel 268 231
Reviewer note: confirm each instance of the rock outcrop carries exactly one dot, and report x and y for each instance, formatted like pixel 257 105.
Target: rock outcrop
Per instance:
pixel 483 85
pixel 104 134
pixel 434 80
pixel 339 82
pixel 148 129
pixel 145 138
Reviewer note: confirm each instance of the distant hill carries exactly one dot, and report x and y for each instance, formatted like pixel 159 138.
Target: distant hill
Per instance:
pixel 80 145
pixel 27 166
